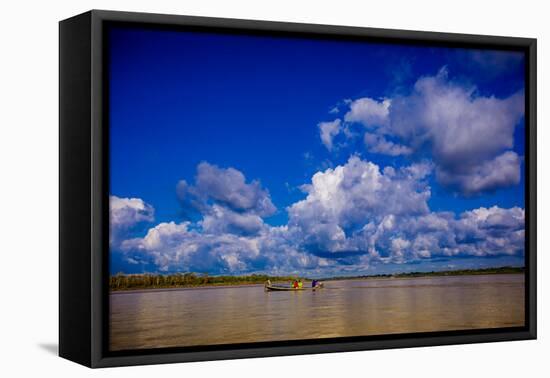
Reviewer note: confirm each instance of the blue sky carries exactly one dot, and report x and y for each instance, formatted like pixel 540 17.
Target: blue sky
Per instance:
pixel 215 140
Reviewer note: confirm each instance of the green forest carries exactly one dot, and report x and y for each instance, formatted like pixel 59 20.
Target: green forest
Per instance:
pixel 181 280
pixel 159 281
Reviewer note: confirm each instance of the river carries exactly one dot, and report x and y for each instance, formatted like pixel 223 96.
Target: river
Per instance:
pixel 223 315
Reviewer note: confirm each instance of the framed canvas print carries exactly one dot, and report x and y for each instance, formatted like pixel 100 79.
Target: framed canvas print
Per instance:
pixel 233 188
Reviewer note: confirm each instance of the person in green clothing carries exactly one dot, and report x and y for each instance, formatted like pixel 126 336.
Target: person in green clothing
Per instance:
pixel 300 284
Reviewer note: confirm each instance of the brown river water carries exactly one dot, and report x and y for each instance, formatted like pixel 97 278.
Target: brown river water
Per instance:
pixel 226 315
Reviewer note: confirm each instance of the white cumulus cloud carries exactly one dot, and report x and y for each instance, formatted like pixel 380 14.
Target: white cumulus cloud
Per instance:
pixel 503 170
pixel 350 196
pixel 226 187
pixel 328 130
pixel 125 213
pixel 223 220
pixel 353 215
pixel 468 135
pixel 368 111
pixel 380 145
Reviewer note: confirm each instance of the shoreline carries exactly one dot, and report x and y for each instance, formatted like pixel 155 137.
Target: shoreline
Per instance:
pixel 366 278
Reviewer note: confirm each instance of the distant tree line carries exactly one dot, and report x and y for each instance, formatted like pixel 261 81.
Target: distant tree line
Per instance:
pixel 460 272
pixel 122 281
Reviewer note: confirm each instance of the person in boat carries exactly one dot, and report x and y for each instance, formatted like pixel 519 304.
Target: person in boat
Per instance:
pixel 314 283
pixel 295 284
pixel 300 284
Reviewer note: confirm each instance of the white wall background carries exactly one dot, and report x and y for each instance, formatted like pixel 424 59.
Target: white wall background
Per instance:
pixel 29 186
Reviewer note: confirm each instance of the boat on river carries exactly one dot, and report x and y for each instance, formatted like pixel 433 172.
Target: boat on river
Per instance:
pixel 270 287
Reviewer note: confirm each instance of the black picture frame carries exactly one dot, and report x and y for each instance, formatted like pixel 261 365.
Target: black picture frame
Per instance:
pixel 83 194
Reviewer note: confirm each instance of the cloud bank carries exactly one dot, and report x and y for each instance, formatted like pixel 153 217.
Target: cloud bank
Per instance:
pixel 356 213
pixel 468 135
pixel 126 213
pixel 227 188
pixel 352 215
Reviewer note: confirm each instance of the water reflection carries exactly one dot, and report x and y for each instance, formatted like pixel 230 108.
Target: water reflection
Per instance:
pixel 183 317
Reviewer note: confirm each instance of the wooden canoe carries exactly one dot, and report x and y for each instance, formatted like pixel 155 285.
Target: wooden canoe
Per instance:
pixel 286 288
